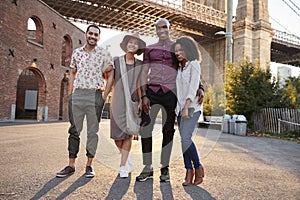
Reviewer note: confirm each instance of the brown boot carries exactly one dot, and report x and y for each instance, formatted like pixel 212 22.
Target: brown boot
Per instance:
pixel 199 174
pixel 188 177
pixel 186 174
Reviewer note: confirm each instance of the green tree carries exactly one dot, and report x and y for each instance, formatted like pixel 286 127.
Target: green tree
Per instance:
pixel 248 88
pixel 214 101
pixel 291 92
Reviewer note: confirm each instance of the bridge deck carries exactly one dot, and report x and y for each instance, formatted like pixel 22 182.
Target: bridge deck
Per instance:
pixel 285 48
pixel 189 18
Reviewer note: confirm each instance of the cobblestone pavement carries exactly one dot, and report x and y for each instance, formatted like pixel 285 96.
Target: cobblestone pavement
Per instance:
pixel 235 167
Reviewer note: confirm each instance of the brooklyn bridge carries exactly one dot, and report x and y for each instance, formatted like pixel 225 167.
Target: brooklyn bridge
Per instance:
pixel 252 35
pixel 45 58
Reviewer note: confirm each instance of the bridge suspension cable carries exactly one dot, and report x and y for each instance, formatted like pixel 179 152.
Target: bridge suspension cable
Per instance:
pixel 291 8
pixel 294 5
pixel 280 24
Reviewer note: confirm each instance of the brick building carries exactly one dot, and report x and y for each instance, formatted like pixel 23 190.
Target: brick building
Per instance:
pixel 36 44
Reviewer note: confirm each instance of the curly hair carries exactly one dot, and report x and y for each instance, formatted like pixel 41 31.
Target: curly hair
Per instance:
pixel 189 46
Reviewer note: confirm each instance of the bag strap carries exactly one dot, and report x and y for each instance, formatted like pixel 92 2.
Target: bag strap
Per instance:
pixel 124 78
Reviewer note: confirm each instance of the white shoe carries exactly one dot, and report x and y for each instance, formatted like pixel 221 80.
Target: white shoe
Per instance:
pixel 122 172
pixel 130 163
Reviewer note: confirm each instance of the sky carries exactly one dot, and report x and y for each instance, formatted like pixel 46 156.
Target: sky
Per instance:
pixel 283 18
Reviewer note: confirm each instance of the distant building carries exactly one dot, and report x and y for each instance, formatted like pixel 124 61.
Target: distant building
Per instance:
pixel 36 44
pixel 282 72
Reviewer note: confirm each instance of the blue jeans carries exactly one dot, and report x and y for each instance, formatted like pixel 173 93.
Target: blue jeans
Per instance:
pixel 189 150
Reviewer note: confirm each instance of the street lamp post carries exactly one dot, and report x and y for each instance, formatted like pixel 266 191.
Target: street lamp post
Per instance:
pixel 228 47
pixel 228 36
pixel 228 33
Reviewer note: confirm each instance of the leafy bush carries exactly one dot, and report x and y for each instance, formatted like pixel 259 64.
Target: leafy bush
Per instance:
pixel 249 88
pixel 214 101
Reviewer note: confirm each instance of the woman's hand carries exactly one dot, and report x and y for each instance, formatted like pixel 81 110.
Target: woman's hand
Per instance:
pixel 184 113
pixel 140 108
pixel 104 97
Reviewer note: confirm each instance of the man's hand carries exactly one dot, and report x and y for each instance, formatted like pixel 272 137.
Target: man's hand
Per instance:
pixel 200 95
pixel 146 104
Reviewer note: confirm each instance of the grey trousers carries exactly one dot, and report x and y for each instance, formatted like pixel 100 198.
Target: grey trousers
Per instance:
pixel 89 104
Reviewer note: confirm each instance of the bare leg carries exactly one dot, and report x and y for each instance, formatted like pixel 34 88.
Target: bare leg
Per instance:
pixel 72 162
pixel 89 172
pixel 130 163
pixel 89 161
pixel 124 147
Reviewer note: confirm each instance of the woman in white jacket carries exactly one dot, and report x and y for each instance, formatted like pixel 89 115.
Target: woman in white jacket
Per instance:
pixel 188 110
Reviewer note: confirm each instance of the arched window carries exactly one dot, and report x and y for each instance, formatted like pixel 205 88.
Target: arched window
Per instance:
pixel 66 51
pixel 35 30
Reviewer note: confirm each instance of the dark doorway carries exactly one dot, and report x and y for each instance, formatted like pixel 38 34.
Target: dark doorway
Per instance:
pixel 27 95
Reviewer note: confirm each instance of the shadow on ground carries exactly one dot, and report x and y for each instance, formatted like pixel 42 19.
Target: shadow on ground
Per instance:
pixel 81 181
pixel 119 188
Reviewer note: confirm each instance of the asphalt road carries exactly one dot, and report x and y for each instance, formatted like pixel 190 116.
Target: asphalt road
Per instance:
pixel 236 167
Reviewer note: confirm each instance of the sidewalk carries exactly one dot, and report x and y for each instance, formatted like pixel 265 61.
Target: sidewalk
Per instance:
pixel 235 167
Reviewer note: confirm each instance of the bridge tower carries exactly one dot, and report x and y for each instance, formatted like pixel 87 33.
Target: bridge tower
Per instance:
pixel 252 32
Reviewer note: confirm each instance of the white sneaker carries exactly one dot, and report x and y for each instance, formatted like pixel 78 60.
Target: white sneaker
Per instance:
pixel 130 164
pixel 122 172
